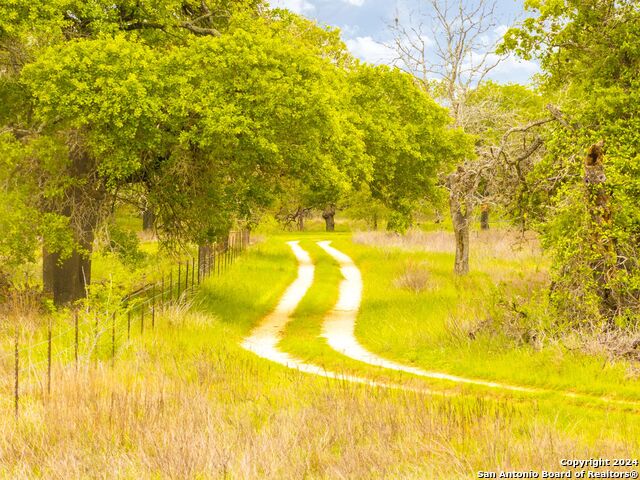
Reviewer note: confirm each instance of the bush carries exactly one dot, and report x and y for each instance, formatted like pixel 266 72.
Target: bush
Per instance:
pixel 124 244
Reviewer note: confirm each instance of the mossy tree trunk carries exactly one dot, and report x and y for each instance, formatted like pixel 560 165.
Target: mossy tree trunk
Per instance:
pixel 484 218
pixel 604 262
pixel 148 220
pixel 329 215
pixel 66 277
pixel 460 221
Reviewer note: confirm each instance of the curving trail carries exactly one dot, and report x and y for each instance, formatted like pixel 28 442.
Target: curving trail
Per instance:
pixel 339 330
pixel 264 339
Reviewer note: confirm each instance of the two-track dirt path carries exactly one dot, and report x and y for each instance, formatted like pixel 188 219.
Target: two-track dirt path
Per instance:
pixel 339 328
pixel 339 331
pixel 264 339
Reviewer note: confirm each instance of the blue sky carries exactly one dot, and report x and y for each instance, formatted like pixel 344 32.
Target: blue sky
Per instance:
pixel 364 27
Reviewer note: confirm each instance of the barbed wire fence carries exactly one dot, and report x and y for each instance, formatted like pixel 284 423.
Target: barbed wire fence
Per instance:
pixel 26 366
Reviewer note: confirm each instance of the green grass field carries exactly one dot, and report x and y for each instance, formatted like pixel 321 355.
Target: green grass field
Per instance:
pixel 186 401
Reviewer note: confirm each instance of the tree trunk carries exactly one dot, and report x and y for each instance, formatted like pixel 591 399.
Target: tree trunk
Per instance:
pixel 375 221
pixel 484 218
pixel 460 220
pixel 67 280
pixel 204 254
pixel 300 216
pixel 148 220
pixel 329 215
pixel 599 204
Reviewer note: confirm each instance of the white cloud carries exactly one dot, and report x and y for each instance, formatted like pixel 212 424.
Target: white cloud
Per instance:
pixel 508 69
pixel 367 49
pixel 513 69
pixel 357 3
pixel 296 6
pixel 500 30
pixel 350 30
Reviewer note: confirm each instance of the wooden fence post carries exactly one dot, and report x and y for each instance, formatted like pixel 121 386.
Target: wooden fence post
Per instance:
pixel 97 333
pixel 205 263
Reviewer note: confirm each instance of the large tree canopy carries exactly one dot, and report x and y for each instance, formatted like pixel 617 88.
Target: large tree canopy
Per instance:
pixel 209 111
pixel 590 53
pixel 407 134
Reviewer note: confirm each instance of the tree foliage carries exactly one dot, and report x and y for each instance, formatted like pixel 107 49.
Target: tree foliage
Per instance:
pixel 408 136
pixel 590 53
pixel 206 112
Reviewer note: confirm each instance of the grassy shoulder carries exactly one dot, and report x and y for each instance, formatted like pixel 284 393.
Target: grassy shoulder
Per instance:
pixel 427 328
pixel 303 339
pixel 303 334
pixel 186 401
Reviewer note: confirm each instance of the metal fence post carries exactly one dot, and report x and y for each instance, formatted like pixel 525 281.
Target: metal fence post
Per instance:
pixel 153 308
pixel 171 285
pixel 75 350
pixel 16 389
pixel 49 358
pixel 179 280
pixel 162 293
pixel 113 338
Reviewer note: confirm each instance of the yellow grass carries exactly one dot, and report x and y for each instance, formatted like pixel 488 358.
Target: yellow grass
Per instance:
pixel 201 413
pixel 185 401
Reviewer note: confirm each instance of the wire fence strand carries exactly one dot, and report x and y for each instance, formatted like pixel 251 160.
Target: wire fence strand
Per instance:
pixel 101 335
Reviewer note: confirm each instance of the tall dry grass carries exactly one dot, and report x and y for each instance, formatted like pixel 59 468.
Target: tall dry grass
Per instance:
pixel 220 413
pixel 415 277
pixel 496 243
pixel 498 252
